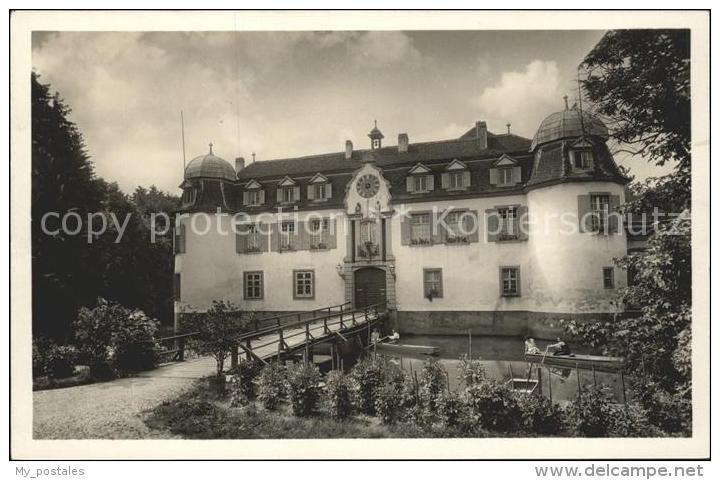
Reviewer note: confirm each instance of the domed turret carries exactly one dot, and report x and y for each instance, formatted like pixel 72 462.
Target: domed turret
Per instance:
pixel 209 166
pixel 568 123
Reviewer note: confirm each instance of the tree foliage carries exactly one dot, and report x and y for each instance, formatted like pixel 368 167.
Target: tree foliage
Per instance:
pixel 68 272
pixel 639 80
pixel 216 330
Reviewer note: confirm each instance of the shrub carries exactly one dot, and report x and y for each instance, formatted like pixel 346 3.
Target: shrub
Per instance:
pixel 38 357
pixel 190 418
pixel 244 376
pixel 303 387
pixel 671 412
pixel 392 401
pixel 589 413
pixel 540 415
pixel 134 342
pixel 271 385
pixel 493 406
pixel 60 360
pixel 630 421
pixel 340 392
pixel 111 337
pixel 216 331
pixel 432 383
pixel 369 375
pixel 470 372
pixel 451 409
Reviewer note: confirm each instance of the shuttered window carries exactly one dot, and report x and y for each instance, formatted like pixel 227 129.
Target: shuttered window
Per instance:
pixel 179 239
pixel 600 205
pixel 508 223
pixel 432 283
pixel 510 281
pixel 253 285
pixel 288 239
pixel 420 229
pixel 608 277
pixel 582 159
pixel 304 284
pixel 318 233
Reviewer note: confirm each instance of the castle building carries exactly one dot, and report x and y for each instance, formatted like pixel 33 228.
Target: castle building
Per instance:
pixel 491 232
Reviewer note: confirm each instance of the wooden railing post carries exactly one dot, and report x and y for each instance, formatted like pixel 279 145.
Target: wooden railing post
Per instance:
pixel 181 349
pixel 280 343
pixel 248 345
pixel 325 327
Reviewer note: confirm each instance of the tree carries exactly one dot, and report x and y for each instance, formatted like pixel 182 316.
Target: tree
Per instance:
pixel 68 272
pixel 640 81
pixel 63 180
pixel 216 330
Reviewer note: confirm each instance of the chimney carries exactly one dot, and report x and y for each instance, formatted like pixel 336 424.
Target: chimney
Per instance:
pixel 348 149
pixel 239 164
pixel 403 142
pixel 481 133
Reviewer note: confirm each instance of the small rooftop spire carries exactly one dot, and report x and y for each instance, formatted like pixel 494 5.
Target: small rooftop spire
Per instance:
pixel 566 102
pixel 253 154
pixel 210 144
pixel 508 127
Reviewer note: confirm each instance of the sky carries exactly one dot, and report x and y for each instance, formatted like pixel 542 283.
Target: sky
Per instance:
pixel 287 94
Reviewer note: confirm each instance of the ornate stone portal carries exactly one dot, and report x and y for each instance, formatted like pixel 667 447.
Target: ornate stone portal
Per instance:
pixel 369 267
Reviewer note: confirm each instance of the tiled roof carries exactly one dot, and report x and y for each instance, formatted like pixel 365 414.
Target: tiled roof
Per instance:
pixel 386 156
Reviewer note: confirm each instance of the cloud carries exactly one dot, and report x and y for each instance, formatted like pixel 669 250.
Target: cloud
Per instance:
pixel 523 98
pixel 380 49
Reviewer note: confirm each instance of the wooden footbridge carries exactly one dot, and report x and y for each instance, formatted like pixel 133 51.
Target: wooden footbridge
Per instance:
pixel 287 335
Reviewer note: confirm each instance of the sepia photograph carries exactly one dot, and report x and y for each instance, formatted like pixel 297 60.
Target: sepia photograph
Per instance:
pixel 476 229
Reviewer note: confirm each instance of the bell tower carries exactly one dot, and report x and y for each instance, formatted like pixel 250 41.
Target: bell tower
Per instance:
pixel 376 137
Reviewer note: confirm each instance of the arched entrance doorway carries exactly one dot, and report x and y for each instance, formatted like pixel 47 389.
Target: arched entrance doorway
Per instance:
pixel 370 287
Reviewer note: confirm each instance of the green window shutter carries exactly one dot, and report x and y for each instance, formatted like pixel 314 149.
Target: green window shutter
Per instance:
pixel 311 192
pixel 445 180
pixel 493 224
pixel 328 190
pixel 494 180
pixel 613 223
pixel 522 214
pixel 279 194
pixel 296 194
pixel 262 197
pixel 472 225
pixel 517 175
pixel 466 179
pixel 405 230
pixel 409 184
pixel 431 183
pixel 246 198
pixel 332 233
pixel 583 210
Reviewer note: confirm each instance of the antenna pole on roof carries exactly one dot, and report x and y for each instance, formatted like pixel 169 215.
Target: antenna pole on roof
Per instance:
pixel 182 129
pixel 582 119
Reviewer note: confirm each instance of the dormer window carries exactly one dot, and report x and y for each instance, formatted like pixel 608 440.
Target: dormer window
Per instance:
pixel 376 143
pixel 456 176
pixel 582 159
pixel 288 191
pixel 581 155
pixel 420 179
pixel 254 195
pixel 505 172
pixel 319 188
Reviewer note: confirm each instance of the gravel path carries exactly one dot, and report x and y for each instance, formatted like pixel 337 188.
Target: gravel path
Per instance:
pixel 112 409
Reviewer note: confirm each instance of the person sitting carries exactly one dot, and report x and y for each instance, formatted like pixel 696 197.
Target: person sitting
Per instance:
pixel 530 346
pixel 560 348
pixel 394 337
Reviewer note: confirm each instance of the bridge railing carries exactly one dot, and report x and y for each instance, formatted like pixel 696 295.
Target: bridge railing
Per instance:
pixel 174 348
pixel 345 318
